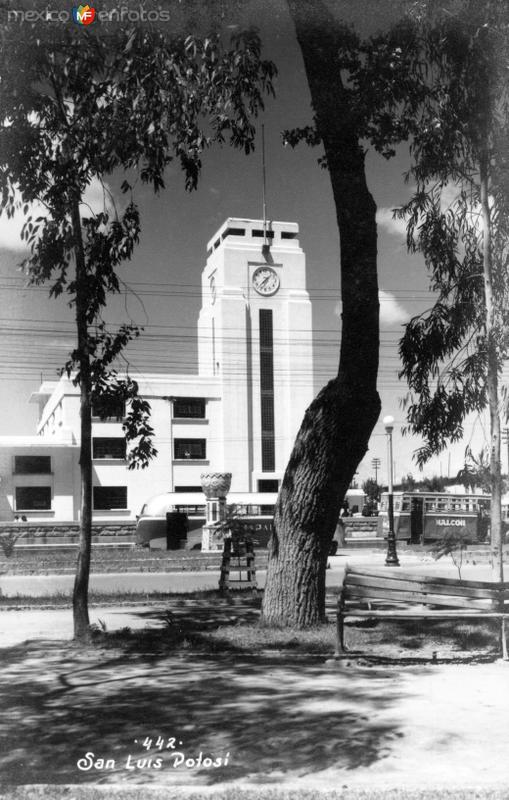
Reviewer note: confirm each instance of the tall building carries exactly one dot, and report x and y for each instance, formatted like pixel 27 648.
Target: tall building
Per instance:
pixel 240 413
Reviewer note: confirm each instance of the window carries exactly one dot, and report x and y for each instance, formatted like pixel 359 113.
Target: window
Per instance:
pixel 234 232
pixel 268 452
pixel 267 391
pixel 268 485
pixel 189 408
pixel 109 498
pixel 109 448
pixel 191 511
pixel 108 408
pixel 33 498
pixel 182 489
pixel 267 409
pixel 32 465
pixel 258 233
pixel 288 235
pixel 190 448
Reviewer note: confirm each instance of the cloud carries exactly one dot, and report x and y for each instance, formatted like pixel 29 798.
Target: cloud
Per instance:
pixel 396 227
pixel 96 198
pixel 391 312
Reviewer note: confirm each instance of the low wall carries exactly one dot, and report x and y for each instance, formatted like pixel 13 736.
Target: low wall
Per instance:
pixel 360 524
pixel 58 531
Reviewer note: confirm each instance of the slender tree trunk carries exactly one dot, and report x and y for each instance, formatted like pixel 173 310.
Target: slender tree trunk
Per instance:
pixel 335 432
pixel 492 382
pixel 80 592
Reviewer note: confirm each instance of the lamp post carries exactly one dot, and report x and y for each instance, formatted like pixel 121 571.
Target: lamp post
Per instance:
pixel 391 559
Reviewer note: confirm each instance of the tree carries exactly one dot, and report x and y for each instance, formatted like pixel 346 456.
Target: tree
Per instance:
pixel 76 107
pixel 352 84
pixel 453 543
pixel 408 483
pixel 372 489
pixel 476 471
pixel 458 218
pixel 434 484
pixel 8 542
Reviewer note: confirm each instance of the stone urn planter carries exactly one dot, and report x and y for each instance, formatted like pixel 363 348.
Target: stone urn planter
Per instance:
pixel 215 484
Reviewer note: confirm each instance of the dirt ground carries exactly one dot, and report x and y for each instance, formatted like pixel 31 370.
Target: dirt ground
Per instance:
pixel 298 722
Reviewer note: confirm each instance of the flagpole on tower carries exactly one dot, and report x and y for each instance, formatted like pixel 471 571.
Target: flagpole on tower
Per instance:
pixel 264 189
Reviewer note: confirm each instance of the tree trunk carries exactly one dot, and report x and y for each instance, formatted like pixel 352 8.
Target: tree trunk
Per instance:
pixel 335 432
pixel 492 382
pixel 80 591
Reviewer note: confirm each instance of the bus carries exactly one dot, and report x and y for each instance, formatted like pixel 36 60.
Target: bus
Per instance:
pixel 175 520
pixel 421 517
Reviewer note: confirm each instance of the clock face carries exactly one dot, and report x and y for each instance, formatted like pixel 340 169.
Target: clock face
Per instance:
pixel 212 285
pixel 265 281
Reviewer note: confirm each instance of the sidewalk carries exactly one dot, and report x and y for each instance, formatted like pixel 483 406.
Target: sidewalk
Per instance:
pixel 289 722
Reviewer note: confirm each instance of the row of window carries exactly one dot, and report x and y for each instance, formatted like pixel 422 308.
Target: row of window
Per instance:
pixel 183 408
pixel 108 498
pixel 38 498
pixel 265 485
pixel 106 448
pixel 102 447
pixel 256 233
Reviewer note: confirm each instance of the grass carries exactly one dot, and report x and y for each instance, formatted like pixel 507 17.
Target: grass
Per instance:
pixel 208 622
pixel 73 792
pixel 205 625
pixel 64 599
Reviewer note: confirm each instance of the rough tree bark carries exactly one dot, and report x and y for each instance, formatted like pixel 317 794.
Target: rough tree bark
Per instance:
pixel 492 380
pixel 334 435
pixel 80 592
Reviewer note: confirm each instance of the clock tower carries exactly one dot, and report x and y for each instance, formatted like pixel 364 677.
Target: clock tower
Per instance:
pixel 255 341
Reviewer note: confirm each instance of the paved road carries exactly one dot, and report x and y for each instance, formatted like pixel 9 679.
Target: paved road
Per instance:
pixel 42 585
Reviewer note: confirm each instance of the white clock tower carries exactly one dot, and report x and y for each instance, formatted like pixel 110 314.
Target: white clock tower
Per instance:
pixel 255 340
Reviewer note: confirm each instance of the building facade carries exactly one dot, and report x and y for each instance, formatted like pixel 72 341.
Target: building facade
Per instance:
pixel 240 413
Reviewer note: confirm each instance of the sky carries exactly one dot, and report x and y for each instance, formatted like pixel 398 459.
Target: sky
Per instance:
pixel 163 279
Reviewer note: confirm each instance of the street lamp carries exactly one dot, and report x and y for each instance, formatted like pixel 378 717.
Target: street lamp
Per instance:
pixel 391 559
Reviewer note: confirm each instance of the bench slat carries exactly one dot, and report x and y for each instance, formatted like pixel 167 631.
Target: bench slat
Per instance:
pixel 411 584
pixel 397 574
pixel 403 596
pixel 424 613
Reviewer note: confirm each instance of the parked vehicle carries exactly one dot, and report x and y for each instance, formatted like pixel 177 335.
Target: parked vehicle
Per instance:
pixel 421 517
pixel 174 520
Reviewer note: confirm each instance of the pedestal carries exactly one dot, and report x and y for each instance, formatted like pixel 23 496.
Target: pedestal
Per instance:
pixel 216 486
pixel 212 539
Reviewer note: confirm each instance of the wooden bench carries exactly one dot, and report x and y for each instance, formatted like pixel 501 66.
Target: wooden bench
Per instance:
pixel 393 594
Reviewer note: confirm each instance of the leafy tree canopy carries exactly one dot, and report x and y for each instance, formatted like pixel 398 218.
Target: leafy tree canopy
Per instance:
pixel 463 133
pixel 372 489
pixel 78 105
